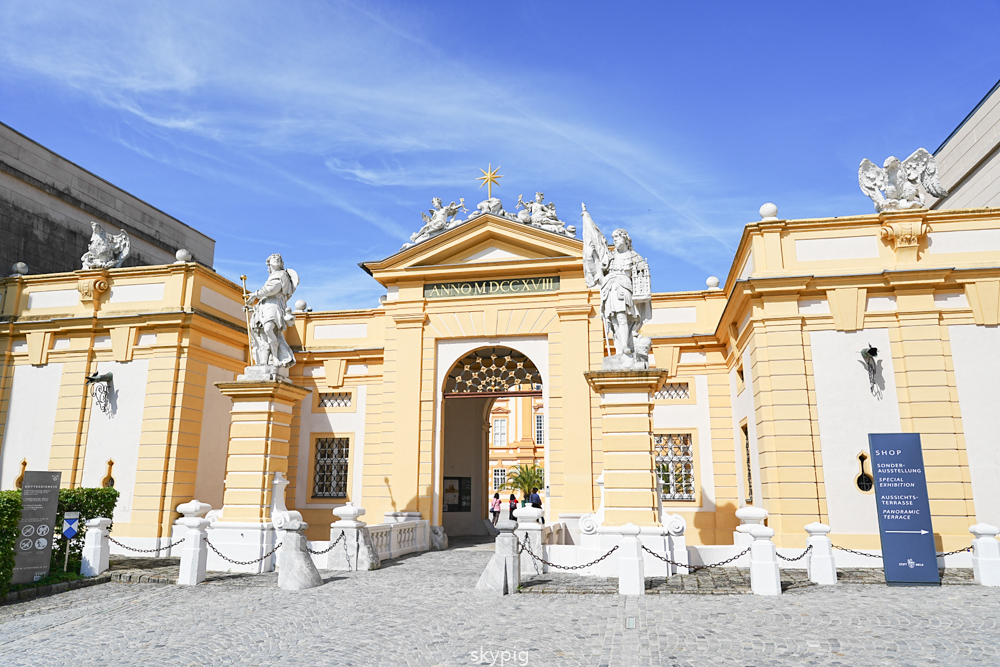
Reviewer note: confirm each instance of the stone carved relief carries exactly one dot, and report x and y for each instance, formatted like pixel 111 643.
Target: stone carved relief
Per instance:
pixel 626 303
pixel 106 251
pixel 904 234
pixel 894 185
pixel 92 288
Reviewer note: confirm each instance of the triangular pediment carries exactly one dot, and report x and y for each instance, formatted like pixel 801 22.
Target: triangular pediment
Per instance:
pixel 486 241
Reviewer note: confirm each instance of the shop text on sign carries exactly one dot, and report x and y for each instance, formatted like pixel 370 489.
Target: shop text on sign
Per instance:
pixel 491 287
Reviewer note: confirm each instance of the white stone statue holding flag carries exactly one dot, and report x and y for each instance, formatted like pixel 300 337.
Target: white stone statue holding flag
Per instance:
pixel 623 277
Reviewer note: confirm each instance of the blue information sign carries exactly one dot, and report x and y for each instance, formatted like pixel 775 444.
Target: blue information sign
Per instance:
pixel 904 513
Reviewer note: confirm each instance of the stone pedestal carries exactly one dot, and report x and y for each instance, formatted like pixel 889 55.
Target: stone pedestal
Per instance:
pixel 194 554
pixel 627 425
pixel 529 528
pixel 985 554
pixel 358 551
pixel 258 448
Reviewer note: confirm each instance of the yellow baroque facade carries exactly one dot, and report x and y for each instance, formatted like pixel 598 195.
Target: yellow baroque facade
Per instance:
pixel 760 396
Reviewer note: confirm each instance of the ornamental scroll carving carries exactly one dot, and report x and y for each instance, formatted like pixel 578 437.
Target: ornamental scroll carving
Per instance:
pixel 91 288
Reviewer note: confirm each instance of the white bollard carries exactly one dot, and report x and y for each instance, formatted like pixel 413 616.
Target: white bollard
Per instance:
pixel 503 573
pixel 358 551
pixel 631 576
pixel 96 547
pixel 529 527
pixel 194 555
pixel 819 562
pixel 985 554
pixel 765 576
pixel 296 570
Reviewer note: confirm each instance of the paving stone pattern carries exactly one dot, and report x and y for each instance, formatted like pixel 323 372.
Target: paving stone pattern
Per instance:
pixel 422 610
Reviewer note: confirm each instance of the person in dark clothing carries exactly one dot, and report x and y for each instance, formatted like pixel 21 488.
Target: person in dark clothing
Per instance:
pixel 536 501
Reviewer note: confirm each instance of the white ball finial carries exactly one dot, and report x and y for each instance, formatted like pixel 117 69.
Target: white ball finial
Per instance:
pixel 183 255
pixel 300 305
pixel 712 283
pixel 20 269
pixel 768 212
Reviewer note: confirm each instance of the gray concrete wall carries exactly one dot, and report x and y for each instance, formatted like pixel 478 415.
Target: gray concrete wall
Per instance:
pixel 47 204
pixel 969 160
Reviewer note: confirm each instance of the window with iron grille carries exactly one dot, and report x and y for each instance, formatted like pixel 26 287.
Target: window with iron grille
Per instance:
pixel 330 477
pixel 539 429
pixel 336 400
pixel 675 465
pixel 672 391
pixel 499 432
pixel 499 477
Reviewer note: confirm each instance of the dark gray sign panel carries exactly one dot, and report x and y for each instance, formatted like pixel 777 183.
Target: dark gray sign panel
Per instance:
pixel 904 512
pixel 33 546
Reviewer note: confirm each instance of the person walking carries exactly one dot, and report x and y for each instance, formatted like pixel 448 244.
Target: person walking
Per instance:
pixel 536 501
pixel 512 505
pixel 495 508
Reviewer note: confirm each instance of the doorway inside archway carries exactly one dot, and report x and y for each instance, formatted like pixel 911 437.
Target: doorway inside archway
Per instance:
pixel 493 421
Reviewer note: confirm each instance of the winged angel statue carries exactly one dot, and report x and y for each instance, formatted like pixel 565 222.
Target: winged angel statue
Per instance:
pixel 106 251
pixel 623 277
pixel 893 186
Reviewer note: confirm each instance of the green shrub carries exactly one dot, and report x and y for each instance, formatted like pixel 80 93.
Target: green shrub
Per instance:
pixel 90 503
pixel 10 515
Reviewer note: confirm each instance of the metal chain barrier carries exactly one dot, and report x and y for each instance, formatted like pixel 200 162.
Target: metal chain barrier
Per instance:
pixel 859 553
pixel 145 551
pixel 957 551
pixel 695 568
pixel 799 557
pixel 525 547
pixel 332 545
pixel 242 562
pixel 862 553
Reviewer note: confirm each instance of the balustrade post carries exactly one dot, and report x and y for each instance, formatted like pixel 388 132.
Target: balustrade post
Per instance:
pixel 96 547
pixel 985 554
pixel 819 562
pixel 765 575
pixel 631 575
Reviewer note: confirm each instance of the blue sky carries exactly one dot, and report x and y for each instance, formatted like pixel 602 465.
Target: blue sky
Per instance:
pixel 321 130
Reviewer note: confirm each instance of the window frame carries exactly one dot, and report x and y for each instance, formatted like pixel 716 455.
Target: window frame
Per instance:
pixel 314 439
pixel 695 500
pixel 340 390
pixel 493 435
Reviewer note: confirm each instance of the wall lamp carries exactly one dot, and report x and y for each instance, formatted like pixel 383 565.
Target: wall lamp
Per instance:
pixel 868 359
pixel 101 390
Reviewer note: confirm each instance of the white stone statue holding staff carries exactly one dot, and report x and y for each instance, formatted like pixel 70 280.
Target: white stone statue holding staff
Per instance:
pixel 623 277
pixel 270 315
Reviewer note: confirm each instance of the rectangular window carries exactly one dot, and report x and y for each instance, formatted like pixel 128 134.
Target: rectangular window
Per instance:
pixel 499 432
pixel 499 477
pixel 675 465
pixel 335 400
pixel 673 391
pixel 539 429
pixel 330 476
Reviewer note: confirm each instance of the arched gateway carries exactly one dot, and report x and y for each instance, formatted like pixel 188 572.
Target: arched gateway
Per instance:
pixel 483 436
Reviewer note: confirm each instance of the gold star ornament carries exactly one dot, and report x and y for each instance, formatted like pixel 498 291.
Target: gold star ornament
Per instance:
pixel 488 178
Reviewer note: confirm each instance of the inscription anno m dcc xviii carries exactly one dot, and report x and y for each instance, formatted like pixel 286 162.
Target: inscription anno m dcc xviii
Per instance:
pixel 490 287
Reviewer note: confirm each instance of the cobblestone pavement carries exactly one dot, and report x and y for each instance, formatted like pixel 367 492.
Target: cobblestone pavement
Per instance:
pixel 421 610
